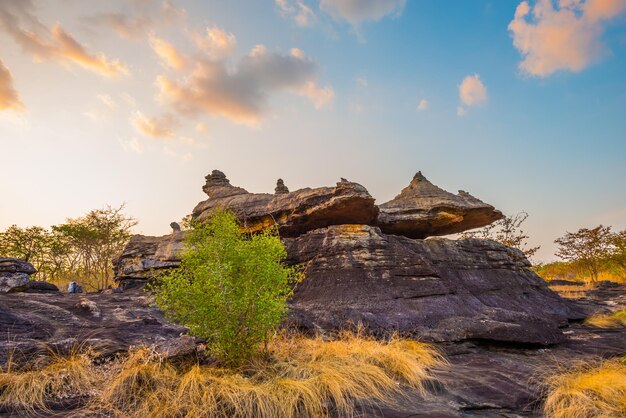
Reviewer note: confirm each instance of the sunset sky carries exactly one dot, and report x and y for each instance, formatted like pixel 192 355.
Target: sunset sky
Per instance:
pixel 522 104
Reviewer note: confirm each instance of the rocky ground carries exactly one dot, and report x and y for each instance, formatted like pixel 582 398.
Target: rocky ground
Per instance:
pixel 483 377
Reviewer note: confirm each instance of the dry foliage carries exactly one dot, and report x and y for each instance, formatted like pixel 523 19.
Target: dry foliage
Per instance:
pixel 588 390
pixel 613 320
pixel 298 377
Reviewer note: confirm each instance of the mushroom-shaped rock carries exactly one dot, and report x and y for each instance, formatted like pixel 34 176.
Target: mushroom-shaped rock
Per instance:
pixel 294 212
pixel 280 187
pixel 423 209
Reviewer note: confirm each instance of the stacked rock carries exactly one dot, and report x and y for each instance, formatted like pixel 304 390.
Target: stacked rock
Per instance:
pixel 15 275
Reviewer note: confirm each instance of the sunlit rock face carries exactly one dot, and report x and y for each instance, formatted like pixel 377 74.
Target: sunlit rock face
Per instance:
pixel 437 289
pixel 423 209
pixel 294 213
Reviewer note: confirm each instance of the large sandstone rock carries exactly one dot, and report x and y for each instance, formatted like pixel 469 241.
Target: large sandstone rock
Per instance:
pixel 14 275
pixel 423 209
pixel 435 289
pixel 144 256
pixel 294 212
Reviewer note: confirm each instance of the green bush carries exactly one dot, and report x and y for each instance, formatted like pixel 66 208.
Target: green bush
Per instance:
pixel 230 289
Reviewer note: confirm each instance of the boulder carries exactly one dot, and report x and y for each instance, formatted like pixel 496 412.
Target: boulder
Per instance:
pixel 293 212
pixel 14 275
pixel 13 282
pixel 41 286
pixel 144 256
pixel 423 209
pixel 435 289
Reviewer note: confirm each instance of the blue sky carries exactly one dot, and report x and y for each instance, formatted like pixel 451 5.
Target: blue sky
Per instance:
pixel 333 93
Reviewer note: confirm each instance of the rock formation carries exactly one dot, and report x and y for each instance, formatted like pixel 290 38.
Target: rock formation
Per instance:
pixel 435 289
pixel 359 267
pixel 144 256
pixel 423 209
pixel 293 213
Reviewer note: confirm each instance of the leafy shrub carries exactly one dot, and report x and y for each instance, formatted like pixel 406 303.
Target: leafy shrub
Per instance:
pixel 230 289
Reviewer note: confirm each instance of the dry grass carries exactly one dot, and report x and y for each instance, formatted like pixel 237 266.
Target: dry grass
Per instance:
pixel 588 390
pixel 299 377
pixel 51 380
pixel 614 320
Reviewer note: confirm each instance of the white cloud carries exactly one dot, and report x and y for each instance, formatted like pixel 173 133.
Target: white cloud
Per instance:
pixel 423 105
pixel 358 11
pixel 297 10
pixel 561 37
pixel 362 82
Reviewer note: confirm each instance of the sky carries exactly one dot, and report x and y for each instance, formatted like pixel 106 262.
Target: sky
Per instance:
pixel 521 103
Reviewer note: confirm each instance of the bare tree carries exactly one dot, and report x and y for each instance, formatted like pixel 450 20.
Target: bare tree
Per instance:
pixel 507 231
pixel 590 248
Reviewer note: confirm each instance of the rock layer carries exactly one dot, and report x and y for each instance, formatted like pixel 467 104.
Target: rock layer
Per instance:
pixel 423 209
pixel 293 212
pixel 436 289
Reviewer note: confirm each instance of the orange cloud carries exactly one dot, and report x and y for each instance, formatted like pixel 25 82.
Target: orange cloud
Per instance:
pixel 9 99
pixel 162 126
pixel 215 42
pixel 241 92
pixel 472 91
pixel 51 44
pixel 168 53
pixel 563 37
pixel 144 20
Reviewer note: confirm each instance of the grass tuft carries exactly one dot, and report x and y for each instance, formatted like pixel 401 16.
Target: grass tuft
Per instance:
pixel 34 388
pixel 587 390
pixel 614 320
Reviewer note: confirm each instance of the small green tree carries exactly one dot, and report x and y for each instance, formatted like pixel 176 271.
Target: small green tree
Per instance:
pixel 230 288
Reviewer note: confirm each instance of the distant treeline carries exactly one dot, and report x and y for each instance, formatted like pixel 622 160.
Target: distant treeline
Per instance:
pixel 80 249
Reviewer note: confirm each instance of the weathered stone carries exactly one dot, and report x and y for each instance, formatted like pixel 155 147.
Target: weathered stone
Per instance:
pixel 294 213
pixel 13 282
pixel 14 265
pixel 175 226
pixel 436 289
pixel 280 187
pixel 423 209
pixel 144 256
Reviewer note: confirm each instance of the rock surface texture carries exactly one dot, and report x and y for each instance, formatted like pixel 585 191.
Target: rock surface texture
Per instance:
pixel 144 256
pixel 423 209
pixel 294 213
pixel 435 289
pixel 15 275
